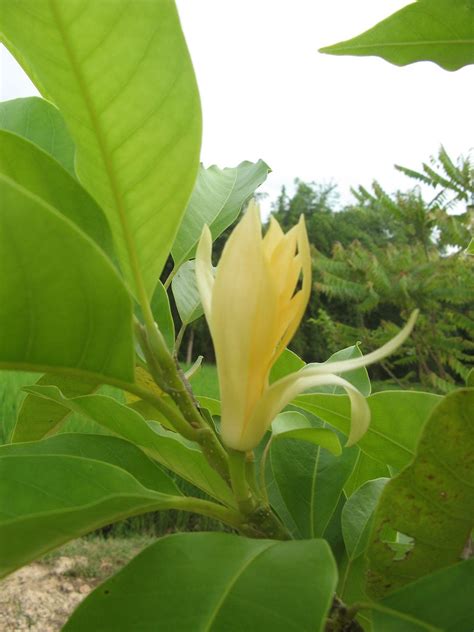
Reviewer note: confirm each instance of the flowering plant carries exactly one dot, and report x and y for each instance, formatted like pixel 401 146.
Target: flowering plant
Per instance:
pixel 99 183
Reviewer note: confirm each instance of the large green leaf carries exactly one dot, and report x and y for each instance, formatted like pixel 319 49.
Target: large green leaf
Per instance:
pixel 441 31
pixel 356 521
pixel 217 199
pixel 41 175
pixel 39 417
pixel 62 305
pixel 168 448
pixel 211 582
pixel 112 450
pixel 47 500
pixel 397 418
pixel 287 363
pixel 40 122
pixel 357 514
pixel 310 481
pixel 366 469
pixel 441 601
pixel 431 501
pixel 293 425
pixel 186 293
pixel 121 76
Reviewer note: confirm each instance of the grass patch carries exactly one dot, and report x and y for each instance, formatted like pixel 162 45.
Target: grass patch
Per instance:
pixel 96 558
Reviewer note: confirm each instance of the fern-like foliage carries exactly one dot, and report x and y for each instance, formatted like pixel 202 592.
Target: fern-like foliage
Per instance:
pixel 385 255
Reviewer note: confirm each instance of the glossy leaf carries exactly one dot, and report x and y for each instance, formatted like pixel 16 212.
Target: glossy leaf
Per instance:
pixel 310 481
pixel 48 500
pixel 470 248
pixel 356 521
pixel 293 425
pixel 39 417
pixel 186 293
pixel 112 450
pixel 160 306
pixel 366 469
pixel 442 600
pixel 287 363
pixel 357 514
pixel 217 199
pixel 440 31
pixel 40 122
pixel 230 583
pixel 121 76
pixel 397 418
pixel 39 174
pixel 62 305
pixel 431 501
pixel 168 448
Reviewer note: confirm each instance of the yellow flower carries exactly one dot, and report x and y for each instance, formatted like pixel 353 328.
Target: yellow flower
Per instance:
pixel 253 306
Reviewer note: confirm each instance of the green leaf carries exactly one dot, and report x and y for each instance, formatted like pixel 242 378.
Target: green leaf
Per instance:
pixel 442 600
pixel 62 305
pixel 121 76
pixel 366 469
pixel 440 31
pixel 48 500
pixel 397 418
pixel 358 377
pixel 40 122
pixel 470 248
pixel 310 481
pixel 160 307
pixel 356 521
pixel 229 583
pixel 40 175
pixel 210 404
pixel 431 501
pixel 217 199
pixel 357 514
pixel 39 417
pixel 287 363
pixel 293 425
pixel 168 448
pixel 186 293
pixel 112 450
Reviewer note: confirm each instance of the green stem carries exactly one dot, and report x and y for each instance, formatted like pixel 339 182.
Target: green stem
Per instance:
pixel 166 374
pixel 262 467
pixel 179 423
pixel 251 473
pixel 170 277
pixel 179 338
pixel 240 486
pixel 208 508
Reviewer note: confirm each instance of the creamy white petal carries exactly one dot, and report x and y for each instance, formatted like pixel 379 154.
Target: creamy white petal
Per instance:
pixel 243 323
pixel 356 363
pixel 204 275
pixel 281 393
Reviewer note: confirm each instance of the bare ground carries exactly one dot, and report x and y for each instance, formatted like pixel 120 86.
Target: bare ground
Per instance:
pixel 40 597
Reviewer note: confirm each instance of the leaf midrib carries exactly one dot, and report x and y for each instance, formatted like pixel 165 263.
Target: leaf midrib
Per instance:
pixel 385 44
pixel 231 585
pixel 102 145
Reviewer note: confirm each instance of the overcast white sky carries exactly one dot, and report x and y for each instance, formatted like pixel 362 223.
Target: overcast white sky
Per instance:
pixel 267 93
